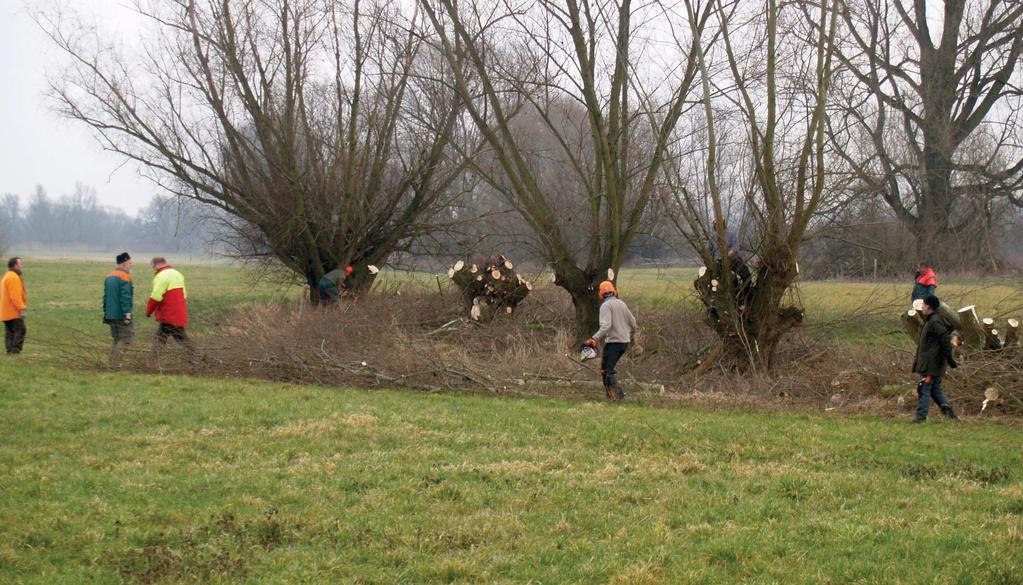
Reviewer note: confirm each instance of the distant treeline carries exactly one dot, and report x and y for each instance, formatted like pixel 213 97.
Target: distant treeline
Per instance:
pixel 79 221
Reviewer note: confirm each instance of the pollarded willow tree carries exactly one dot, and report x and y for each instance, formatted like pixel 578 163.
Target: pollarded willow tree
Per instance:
pixel 765 92
pixel 604 98
pixel 300 119
pixel 931 114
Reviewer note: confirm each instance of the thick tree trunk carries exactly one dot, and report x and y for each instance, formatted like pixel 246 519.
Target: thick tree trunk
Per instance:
pixel 587 312
pixel 313 282
pixel 582 287
pixel 748 314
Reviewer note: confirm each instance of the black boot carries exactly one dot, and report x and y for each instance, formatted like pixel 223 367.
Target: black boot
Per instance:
pixel 615 392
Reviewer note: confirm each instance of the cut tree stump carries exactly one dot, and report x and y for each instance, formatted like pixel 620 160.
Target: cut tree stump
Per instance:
pixel 970 327
pixel 1012 333
pixel 496 288
pixel 991 339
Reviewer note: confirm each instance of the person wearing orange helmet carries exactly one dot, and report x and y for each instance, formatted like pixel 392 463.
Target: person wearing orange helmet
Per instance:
pixel 617 327
pixel 332 284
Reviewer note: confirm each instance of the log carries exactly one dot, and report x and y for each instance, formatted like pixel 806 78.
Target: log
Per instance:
pixel 991 339
pixel 1012 333
pixel 971 328
pixel 913 322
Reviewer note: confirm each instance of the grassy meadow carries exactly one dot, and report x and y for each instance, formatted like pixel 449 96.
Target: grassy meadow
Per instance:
pixel 126 478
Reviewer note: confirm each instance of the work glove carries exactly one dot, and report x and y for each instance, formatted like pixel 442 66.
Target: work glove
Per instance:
pixel 590 342
pixel 952 364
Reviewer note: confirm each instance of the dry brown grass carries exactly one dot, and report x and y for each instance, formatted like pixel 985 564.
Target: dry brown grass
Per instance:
pixel 423 341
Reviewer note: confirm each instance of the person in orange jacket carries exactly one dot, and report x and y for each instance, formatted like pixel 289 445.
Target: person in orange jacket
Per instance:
pixel 13 306
pixel 168 303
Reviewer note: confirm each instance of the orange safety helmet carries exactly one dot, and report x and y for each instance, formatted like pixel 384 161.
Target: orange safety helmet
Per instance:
pixel 349 270
pixel 607 287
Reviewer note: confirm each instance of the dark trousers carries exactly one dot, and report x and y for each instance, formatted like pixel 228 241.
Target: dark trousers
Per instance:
pixel 920 291
pixel 612 353
pixel 165 331
pixel 14 335
pixel 329 291
pixel 925 392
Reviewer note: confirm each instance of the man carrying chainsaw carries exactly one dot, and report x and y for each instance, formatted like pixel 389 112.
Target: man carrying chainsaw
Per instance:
pixel 617 326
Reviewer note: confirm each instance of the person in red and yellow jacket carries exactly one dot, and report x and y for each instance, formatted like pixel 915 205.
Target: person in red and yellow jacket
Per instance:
pixel 168 302
pixel 13 306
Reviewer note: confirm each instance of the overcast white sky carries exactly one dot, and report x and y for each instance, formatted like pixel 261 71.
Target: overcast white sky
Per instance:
pixel 38 147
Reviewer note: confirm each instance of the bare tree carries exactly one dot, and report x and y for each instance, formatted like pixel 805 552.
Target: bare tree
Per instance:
pixel 930 110
pixel 538 66
pixel 301 119
pixel 764 114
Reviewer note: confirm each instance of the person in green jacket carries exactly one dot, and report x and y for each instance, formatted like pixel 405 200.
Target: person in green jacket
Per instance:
pixel 118 297
pixel 332 284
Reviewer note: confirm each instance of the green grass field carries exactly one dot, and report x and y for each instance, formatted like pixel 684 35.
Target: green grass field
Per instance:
pixel 126 478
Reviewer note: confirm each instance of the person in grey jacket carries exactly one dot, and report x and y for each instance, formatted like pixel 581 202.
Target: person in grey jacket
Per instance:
pixel 933 354
pixel 617 326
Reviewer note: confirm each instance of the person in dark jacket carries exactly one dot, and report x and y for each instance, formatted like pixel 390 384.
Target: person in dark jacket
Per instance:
pixel 933 355
pixel 926 280
pixel 118 297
